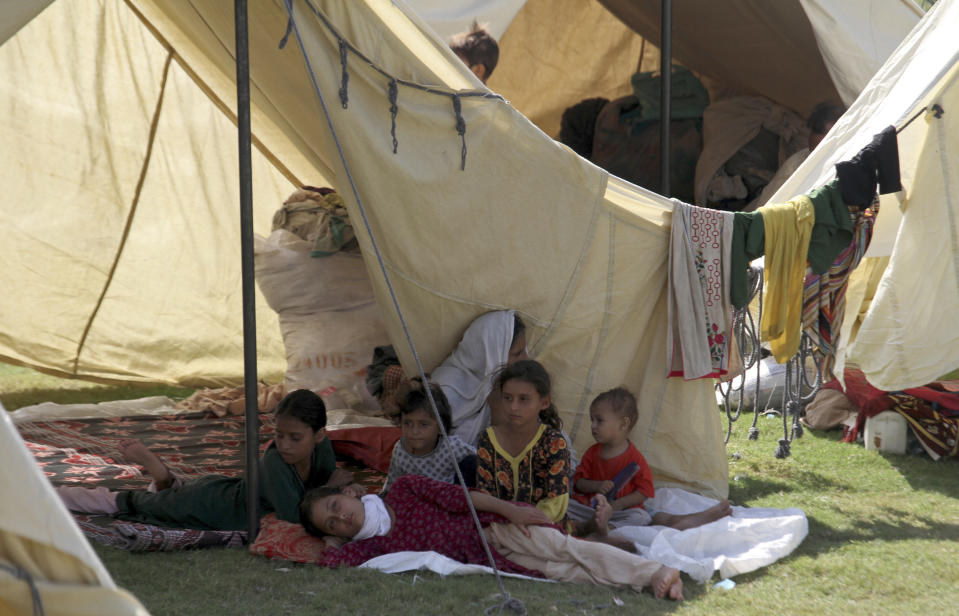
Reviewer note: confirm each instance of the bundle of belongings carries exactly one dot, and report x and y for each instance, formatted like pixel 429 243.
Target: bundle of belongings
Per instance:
pixel 811 245
pixel 312 273
pixel 622 136
pixel 745 140
pixel 931 412
pixel 317 215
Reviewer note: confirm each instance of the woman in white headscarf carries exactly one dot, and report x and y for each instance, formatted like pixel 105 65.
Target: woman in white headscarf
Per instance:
pixel 492 341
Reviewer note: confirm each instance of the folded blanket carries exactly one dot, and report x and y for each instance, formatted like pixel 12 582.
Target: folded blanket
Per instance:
pixel 751 538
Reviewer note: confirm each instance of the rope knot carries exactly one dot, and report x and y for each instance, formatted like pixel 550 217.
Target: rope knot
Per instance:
pixel 782 451
pixel 460 127
pixel 392 94
pixel 345 79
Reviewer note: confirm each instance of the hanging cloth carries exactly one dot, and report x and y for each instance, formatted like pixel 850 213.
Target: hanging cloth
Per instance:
pixel 878 162
pixel 788 227
pixel 700 314
pixel 824 296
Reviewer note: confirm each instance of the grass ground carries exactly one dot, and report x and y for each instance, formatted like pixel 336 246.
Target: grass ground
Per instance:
pixel 883 539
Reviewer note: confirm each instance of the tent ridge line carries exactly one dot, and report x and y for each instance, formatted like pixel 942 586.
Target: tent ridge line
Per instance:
pixel 144 168
pixel 344 48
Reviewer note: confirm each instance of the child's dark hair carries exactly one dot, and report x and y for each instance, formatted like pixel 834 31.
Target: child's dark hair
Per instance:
pixel 622 401
pixel 519 328
pixel 304 405
pixel 306 506
pixel 533 372
pixel 411 396
pixel 823 115
pixel 477 47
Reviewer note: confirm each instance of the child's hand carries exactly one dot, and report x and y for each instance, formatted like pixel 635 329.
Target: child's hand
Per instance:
pixel 605 487
pixel 524 516
pixel 333 543
pixel 354 489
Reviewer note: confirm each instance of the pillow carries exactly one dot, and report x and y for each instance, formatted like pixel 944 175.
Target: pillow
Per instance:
pixel 371 446
pixel 286 541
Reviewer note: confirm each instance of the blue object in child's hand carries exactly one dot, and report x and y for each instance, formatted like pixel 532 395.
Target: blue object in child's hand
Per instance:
pixel 619 481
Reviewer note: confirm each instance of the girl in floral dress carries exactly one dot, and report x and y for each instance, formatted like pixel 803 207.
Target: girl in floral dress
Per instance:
pixel 524 456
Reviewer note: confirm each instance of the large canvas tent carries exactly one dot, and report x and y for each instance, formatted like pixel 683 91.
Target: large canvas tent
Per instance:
pixel 118 222
pixel 907 336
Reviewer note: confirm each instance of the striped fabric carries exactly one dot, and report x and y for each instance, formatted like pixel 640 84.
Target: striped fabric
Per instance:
pixel 824 297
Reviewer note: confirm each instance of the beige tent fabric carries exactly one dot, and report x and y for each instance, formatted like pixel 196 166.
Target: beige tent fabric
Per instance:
pixel 38 536
pixel 582 52
pixel 765 48
pixel 856 36
pixel 907 338
pixel 526 211
pixel 120 217
pixel 525 225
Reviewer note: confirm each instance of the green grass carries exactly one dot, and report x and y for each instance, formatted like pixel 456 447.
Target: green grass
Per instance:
pixel 883 539
pixel 21 386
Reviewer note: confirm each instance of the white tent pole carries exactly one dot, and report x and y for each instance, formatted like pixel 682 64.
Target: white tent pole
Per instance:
pixel 246 250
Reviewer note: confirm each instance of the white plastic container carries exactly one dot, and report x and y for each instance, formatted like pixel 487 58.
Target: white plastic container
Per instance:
pixel 886 432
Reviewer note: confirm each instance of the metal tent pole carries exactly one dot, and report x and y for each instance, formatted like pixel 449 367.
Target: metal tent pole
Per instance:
pixel 665 99
pixel 246 258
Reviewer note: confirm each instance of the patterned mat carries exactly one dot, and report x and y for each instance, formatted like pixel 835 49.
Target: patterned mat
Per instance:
pixel 84 452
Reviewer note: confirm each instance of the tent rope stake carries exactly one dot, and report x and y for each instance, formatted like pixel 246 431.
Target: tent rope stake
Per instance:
pixel 508 602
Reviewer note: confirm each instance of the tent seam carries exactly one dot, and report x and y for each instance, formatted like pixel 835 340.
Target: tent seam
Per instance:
pixel 604 328
pixel 217 101
pixel 148 156
pixel 577 270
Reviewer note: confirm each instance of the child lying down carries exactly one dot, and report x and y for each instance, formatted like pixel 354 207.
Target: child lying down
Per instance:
pixel 422 514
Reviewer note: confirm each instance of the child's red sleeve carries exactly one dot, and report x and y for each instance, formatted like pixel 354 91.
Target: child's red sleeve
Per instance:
pixel 643 480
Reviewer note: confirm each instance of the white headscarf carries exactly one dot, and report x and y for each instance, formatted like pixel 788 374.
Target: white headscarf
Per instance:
pixel 466 376
pixel 377 521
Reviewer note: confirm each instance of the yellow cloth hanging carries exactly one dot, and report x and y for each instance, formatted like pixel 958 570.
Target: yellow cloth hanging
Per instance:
pixel 788 228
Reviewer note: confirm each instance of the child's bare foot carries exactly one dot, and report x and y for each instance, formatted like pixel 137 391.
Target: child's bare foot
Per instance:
pixel 692 520
pixel 666 583
pixel 604 511
pixel 138 453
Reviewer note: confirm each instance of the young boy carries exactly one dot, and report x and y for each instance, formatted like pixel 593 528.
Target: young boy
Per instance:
pixel 612 416
pixel 477 49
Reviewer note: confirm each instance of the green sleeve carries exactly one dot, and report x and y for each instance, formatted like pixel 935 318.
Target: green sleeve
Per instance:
pixel 749 242
pixel 833 230
pixel 280 487
pixel 324 463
